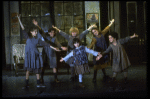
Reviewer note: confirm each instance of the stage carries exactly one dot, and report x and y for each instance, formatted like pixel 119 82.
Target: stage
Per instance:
pixel 135 88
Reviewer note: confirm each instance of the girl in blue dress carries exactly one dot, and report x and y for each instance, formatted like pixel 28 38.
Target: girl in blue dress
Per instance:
pixel 80 59
pixel 33 58
pixel 48 53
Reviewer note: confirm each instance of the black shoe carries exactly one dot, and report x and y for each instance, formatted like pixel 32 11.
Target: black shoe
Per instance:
pixel 105 78
pixel 81 85
pixel 76 77
pixel 111 89
pixel 112 84
pixel 94 80
pixel 72 79
pixel 119 88
pixel 25 87
pixel 42 81
pixel 125 81
pixel 112 80
pixel 57 81
pixel 16 74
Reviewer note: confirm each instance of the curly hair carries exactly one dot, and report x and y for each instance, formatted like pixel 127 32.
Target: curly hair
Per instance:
pixel 74 29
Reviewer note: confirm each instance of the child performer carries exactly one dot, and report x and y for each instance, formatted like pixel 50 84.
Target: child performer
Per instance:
pixel 74 33
pixel 120 58
pixel 100 45
pixel 33 59
pixel 49 52
pixel 80 59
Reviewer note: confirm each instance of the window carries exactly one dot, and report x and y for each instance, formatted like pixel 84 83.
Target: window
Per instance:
pixel 68 14
pixel 38 10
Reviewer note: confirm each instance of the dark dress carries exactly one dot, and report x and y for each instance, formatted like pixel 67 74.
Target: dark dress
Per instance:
pixel 33 58
pixel 100 46
pixel 120 58
pixel 49 55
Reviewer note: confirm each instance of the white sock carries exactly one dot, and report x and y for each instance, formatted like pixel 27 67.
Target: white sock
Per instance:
pixel 80 77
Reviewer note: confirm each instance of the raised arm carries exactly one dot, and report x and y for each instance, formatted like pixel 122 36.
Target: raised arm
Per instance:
pixel 111 22
pixel 90 27
pixel 18 16
pixel 126 39
pixel 133 36
pixel 56 28
pixel 82 35
pixel 43 33
pixel 92 43
pixel 108 27
pixel 22 27
pixel 65 35
pixel 40 29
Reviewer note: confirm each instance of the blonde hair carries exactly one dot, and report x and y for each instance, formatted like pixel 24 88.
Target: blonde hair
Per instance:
pixel 73 29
